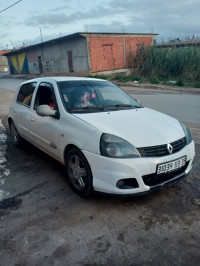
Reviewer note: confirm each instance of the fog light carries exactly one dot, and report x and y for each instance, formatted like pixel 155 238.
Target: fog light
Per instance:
pixel 120 183
pixel 128 183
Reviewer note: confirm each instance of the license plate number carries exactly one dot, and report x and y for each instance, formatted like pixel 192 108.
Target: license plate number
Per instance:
pixel 171 166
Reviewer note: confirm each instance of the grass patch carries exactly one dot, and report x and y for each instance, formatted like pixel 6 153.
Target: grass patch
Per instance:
pixel 106 77
pixel 171 81
pixel 154 80
pixel 197 85
pixel 180 83
pixel 118 77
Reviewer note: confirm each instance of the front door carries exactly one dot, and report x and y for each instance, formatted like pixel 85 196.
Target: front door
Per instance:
pixel 45 130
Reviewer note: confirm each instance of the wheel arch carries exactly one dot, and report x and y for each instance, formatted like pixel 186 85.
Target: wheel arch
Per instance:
pixel 68 148
pixel 9 120
pixel 89 189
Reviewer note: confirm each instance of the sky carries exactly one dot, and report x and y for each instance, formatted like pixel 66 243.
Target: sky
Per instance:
pixel 32 21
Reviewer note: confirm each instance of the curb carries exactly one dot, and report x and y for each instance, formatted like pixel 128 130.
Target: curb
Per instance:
pixel 159 87
pixel 120 84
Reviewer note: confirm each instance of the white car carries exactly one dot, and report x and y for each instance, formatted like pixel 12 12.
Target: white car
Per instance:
pixel 107 141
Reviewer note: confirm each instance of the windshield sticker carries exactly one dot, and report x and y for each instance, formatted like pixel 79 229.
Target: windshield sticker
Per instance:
pixel 65 97
pixel 93 95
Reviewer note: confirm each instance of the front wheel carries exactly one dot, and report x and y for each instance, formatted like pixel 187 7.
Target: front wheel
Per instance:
pixel 16 138
pixel 78 173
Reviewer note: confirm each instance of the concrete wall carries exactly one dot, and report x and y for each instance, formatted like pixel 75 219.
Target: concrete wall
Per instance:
pixel 3 64
pixel 54 58
pixel 18 63
pixel 4 61
pixel 32 56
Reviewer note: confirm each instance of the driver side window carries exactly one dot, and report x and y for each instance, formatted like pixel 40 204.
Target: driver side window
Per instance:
pixel 45 95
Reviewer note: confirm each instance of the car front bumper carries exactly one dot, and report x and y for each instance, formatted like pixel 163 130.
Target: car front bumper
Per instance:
pixel 108 171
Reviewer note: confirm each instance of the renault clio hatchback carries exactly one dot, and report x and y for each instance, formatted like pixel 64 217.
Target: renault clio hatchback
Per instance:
pixel 107 141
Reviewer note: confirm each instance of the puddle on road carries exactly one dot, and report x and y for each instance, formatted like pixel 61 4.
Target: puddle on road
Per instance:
pixel 10 203
pixel 4 138
pixel 4 171
pixel 3 194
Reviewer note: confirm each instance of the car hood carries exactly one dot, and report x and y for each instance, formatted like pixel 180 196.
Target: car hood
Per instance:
pixel 142 127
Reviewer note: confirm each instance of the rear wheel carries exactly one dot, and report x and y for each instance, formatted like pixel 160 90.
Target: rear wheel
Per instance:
pixel 78 173
pixel 17 140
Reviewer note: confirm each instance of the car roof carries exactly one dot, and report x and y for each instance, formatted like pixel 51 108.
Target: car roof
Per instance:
pixel 57 79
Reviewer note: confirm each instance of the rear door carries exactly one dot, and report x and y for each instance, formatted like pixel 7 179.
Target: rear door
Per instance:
pixel 21 109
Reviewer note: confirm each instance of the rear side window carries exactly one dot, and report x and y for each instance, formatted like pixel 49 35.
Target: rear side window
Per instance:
pixel 25 93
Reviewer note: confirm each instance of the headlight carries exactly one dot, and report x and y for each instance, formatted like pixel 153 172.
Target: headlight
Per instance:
pixel 116 147
pixel 187 132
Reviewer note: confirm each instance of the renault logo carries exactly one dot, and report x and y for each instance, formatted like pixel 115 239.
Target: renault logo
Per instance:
pixel 169 148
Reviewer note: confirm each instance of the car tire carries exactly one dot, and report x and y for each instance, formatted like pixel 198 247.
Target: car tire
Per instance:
pixel 79 173
pixel 16 138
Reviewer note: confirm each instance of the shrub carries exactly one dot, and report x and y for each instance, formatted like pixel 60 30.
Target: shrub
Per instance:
pixel 197 85
pixel 137 78
pixel 183 63
pixel 107 77
pixel 154 80
pixel 180 83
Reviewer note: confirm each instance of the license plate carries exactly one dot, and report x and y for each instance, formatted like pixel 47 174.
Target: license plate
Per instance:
pixel 171 166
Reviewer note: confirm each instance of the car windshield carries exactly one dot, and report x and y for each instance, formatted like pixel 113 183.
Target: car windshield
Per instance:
pixel 94 96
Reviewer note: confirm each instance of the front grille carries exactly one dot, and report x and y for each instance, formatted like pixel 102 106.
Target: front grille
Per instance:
pixel 154 179
pixel 161 150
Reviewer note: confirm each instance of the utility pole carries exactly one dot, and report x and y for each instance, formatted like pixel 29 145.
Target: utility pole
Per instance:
pixel 123 29
pixel 42 54
pixel 86 28
pixel 12 44
pixel 41 35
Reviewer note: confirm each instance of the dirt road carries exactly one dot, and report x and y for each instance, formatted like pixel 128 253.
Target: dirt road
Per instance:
pixel 42 222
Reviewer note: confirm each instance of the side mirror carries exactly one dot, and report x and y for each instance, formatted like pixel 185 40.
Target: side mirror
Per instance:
pixel 45 110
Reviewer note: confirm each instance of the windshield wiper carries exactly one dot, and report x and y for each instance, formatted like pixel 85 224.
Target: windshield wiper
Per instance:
pixel 87 108
pixel 120 106
pixel 93 108
pixel 102 108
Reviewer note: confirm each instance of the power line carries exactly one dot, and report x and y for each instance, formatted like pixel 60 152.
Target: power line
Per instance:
pixel 10 6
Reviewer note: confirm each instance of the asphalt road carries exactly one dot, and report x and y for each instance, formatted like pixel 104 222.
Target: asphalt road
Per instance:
pixel 183 106
pixel 42 222
pixel 10 84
